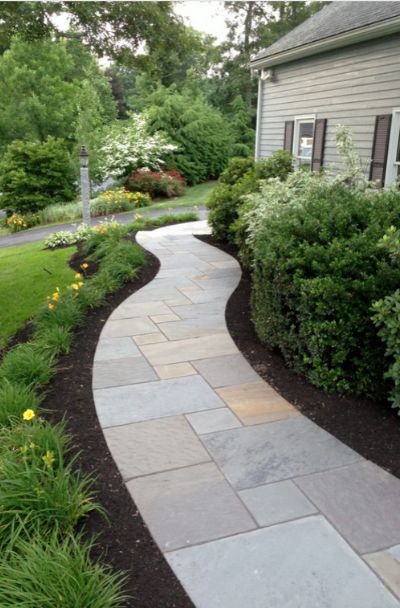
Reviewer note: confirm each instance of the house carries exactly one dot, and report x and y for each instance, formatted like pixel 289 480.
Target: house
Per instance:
pixel 342 65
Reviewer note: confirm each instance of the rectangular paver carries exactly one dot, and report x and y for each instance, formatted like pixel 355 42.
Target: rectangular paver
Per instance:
pixel 255 455
pixel 226 371
pixel 387 567
pixel 188 506
pixel 153 338
pixel 138 402
pixel 118 372
pixel 128 327
pixel 276 502
pixel 256 402
pixel 213 421
pixel 300 564
pixel 130 308
pixel 116 348
pixel 153 446
pixel 174 370
pixel 362 501
pixel 189 350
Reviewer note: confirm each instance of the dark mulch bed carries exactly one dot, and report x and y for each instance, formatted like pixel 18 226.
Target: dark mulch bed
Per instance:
pixel 124 541
pixel 369 427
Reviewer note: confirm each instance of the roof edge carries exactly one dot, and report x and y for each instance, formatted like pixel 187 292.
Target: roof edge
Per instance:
pixel 368 32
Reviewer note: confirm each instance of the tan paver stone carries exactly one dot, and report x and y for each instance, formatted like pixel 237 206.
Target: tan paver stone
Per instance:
pixel 256 403
pixel 165 318
pixel 129 308
pixel 188 350
pixel 174 370
pixel 117 328
pixel 153 446
pixel 387 567
pixel 153 338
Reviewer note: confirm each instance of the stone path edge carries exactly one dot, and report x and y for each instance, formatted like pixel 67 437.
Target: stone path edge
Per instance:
pixel 266 465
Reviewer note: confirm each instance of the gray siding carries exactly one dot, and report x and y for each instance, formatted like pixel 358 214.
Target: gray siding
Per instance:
pixel 350 86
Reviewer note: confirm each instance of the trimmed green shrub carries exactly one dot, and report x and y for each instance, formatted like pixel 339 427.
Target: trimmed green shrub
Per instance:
pixel 57 572
pixel 317 269
pixel 34 175
pixel 241 177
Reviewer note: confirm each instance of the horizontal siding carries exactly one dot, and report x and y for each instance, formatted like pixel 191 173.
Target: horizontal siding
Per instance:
pixel 348 86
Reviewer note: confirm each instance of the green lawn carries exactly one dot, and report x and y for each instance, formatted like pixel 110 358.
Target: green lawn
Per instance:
pixel 25 284
pixel 194 196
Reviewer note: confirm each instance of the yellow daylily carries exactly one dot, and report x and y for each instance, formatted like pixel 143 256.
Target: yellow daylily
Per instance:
pixel 49 458
pixel 28 414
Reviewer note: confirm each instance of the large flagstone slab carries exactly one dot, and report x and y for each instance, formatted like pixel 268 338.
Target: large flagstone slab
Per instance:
pixel 301 564
pixel 255 455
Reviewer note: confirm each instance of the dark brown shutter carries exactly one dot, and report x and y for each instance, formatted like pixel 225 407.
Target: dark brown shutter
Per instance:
pixel 380 148
pixel 288 137
pixel 318 144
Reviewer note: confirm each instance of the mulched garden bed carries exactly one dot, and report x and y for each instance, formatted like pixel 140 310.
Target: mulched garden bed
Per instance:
pixel 369 427
pixel 123 541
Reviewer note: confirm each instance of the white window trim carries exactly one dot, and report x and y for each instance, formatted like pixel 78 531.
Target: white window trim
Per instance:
pixel 297 121
pixel 391 172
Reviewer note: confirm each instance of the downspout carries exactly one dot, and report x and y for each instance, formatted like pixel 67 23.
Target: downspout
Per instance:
pixel 258 123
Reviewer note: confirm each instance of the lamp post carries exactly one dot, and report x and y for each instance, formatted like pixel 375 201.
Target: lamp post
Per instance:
pixel 85 184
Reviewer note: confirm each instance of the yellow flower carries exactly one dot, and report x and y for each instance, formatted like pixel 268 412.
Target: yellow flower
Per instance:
pixel 84 266
pixel 56 296
pixel 80 284
pixel 28 415
pixel 75 286
pixel 78 275
pixel 138 216
pixel 49 458
pixel 50 306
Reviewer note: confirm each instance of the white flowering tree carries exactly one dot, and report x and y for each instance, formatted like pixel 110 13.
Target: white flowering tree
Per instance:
pixel 128 146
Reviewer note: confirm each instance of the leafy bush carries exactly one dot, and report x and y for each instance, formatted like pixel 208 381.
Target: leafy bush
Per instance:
pixel 62 238
pixel 157 183
pixel 34 175
pixel 317 269
pixel 57 572
pixel 237 168
pixel 240 178
pixel 128 145
pixel 200 132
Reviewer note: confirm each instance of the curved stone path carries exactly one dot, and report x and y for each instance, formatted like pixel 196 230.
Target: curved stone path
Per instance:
pixel 253 505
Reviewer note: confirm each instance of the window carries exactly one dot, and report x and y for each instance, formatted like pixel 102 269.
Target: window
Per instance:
pixel 393 152
pixel 303 140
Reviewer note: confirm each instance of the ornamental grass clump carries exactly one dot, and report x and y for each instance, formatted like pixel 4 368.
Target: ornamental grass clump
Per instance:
pixel 57 572
pixel 27 366
pixel 15 399
pixel 38 489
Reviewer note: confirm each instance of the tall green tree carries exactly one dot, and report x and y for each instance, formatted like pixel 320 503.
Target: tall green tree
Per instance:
pixel 41 92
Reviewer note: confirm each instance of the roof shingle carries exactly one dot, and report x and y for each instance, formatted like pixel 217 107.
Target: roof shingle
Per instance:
pixel 333 19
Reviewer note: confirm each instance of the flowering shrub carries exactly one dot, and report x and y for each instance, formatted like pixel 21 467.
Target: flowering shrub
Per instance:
pixel 117 200
pixel 157 183
pixel 17 222
pixel 128 145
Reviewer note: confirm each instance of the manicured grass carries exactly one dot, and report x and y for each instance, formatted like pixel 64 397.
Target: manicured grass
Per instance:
pixel 27 275
pixel 195 196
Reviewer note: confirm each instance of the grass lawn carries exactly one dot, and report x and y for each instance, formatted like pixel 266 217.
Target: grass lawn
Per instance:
pixel 25 282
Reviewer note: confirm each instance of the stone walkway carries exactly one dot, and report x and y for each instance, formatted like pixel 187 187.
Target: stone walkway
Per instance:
pixel 253 505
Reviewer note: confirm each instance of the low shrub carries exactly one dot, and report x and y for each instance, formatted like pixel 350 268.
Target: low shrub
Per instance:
pixel 157 183
pixel 241 178
pixel 62 238
pixel 317 269
pixel 57 572
pixel 36 174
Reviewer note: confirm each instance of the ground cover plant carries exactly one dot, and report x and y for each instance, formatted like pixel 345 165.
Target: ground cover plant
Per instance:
pixel 43 494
